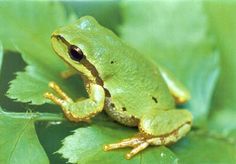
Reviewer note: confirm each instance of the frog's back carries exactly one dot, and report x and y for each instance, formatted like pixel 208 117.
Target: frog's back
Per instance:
pixel 134 83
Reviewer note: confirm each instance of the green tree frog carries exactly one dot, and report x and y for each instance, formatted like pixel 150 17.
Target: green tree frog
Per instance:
pixel 132 89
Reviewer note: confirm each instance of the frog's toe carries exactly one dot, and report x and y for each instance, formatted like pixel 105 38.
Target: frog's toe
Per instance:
pixel 131 142
pixel 54 98
pixel 61 99
pixel 138 144
pixel 59 91
pixel 136 149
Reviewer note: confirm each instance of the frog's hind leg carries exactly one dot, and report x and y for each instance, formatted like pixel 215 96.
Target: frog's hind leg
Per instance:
pixel 140 143
pixel 81 110
pixel 159 128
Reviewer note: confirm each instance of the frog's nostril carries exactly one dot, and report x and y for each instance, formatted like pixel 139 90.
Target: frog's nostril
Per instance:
pixel 75 53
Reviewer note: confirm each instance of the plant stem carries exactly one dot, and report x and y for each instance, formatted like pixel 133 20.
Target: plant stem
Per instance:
pixel 35 116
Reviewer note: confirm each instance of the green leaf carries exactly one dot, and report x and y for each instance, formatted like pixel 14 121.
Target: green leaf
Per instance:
pixel 1 56
pixel 218 145
pixel 18 140
pixel 30 25
pixel 223 24
pixel 175 37
pixel 202 147
pixel 6 75
pixel 85 145
pixel 105 12
pixel 25 93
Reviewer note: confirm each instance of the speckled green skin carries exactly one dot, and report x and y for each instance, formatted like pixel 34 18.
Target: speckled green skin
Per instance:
pixel 134 86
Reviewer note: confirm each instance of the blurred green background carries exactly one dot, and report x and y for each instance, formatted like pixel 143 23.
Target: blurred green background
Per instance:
pixel 194 39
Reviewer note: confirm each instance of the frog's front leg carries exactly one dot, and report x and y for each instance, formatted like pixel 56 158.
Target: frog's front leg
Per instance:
pixel 161 128
pixel 81 110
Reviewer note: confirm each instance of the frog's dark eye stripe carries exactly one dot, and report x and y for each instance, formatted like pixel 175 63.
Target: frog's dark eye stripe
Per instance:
pixel 75 53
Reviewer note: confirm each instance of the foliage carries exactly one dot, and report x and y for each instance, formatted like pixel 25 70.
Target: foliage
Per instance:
pixel 1 56
pixel 28 22
pixel 194 40
pixel 176 47
pixel 18 139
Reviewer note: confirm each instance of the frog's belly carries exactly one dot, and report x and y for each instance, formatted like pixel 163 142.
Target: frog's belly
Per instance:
pixel 120 115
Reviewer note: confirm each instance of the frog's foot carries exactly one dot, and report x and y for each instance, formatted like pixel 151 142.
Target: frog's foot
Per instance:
pixel 138 144
pixel 63 100
pixel 142 141
pixel 81 110
pixel 59 101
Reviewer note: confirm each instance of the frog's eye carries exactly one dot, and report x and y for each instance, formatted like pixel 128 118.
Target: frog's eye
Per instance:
pixel 75 53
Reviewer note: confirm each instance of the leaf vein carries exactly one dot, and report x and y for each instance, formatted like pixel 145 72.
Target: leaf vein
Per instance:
pixel 18 139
